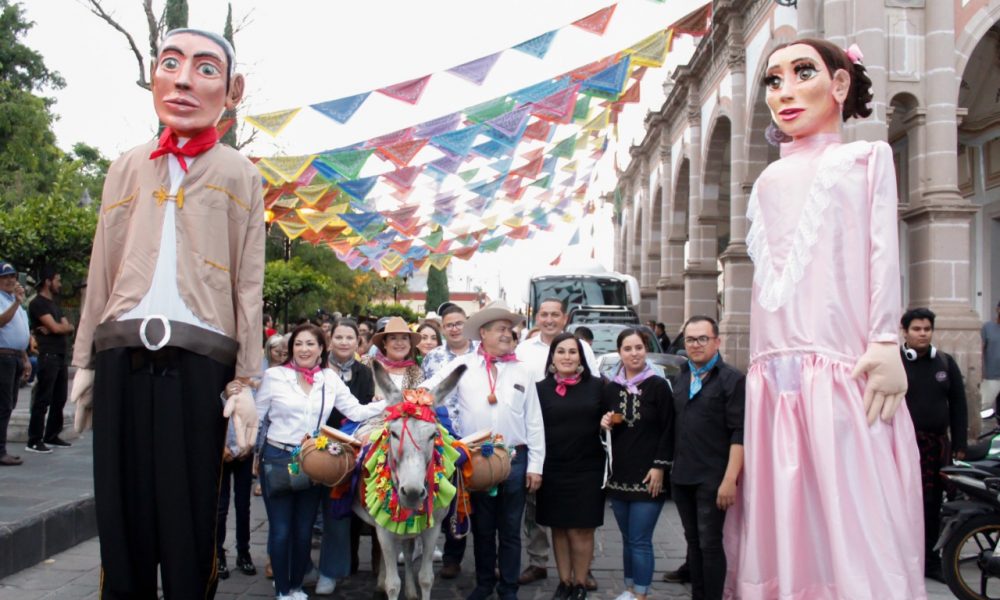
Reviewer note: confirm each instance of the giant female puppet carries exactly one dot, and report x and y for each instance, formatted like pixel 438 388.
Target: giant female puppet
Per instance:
pixel 172 313
pixel 831 498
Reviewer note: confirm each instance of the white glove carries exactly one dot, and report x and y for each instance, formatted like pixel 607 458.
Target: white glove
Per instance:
pixel 241 409
pixel 886 385
pixel 83 396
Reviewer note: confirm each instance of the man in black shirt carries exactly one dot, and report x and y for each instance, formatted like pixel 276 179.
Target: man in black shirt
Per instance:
pixel 707 452
pixel 936 400
pixel 52 331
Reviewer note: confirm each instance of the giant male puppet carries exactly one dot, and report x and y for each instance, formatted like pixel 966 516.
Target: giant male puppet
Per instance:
pixel 171 320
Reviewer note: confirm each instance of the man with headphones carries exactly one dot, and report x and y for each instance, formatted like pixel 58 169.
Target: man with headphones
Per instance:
pixel 936 399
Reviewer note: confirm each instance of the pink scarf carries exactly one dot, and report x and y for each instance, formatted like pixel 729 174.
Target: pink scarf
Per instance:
pixel 491 360
pixel 394 364
pixel 308 373
pixel 562 383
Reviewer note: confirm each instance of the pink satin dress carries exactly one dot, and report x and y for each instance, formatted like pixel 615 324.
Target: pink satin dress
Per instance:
pixel 831 507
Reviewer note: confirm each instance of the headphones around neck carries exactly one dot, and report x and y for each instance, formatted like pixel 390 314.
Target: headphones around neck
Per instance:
pixel 911 355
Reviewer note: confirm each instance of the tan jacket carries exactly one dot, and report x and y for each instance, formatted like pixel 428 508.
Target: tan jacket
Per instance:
pixel 220 246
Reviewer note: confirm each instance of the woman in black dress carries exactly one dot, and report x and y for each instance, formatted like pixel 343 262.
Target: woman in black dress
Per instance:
pixel 640 417
pixel 571 500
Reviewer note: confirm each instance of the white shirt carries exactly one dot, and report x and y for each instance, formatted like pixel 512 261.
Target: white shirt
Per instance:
pixel 535 352
pixel 516 415
pixel 294 413
pixel 163 297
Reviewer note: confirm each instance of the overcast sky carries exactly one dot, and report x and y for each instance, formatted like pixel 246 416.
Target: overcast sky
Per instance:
pixel 295 53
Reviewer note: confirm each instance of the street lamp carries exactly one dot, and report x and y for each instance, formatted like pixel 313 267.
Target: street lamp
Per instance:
pixel 286 246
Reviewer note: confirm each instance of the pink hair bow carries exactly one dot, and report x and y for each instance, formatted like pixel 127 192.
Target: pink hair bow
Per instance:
pixel 854 54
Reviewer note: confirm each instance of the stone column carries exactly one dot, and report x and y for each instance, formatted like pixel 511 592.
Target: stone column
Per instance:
pixel 701 274
pixel 940 219
pixel 808 25
pixel 663 289
pixel 736 266
pixel 870 23
pixel 835 23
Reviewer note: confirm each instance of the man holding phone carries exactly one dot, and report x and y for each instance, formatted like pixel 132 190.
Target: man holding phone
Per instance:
pixel 13 351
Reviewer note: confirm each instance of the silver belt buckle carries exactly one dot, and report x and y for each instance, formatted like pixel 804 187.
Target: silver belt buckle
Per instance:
pixel 166 332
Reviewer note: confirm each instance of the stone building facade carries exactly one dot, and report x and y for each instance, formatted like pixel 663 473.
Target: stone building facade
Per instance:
pixel 935 65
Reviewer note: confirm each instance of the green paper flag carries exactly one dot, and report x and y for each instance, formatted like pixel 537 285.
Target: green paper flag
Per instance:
pixel 348 163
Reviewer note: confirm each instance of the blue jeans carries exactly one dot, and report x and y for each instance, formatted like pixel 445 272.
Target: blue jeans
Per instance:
pixel 637 520
pixel 290 518
pixel 335 550
pixel 494 516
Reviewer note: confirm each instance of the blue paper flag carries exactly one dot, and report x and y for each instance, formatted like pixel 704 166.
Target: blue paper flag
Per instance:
pixel 609 81
pixel 359 188
pixel 341 109
pixel 491 149
pixel 537 46
pixel 541 90
pixel 361 221
pixel 487 189
pixel 437 126
pixel 458 142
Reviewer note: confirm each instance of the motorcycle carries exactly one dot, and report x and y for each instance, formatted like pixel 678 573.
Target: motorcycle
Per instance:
pixel 970 532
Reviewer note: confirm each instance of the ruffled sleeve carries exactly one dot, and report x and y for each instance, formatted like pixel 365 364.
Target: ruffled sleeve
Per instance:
pixel 884 287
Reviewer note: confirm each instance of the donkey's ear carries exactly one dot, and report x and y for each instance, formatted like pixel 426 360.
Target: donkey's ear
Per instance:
pixel 446 387
pixel 384 383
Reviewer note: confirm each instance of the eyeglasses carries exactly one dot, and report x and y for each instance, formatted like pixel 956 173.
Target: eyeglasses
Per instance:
pixel 698 341
pixel 455 325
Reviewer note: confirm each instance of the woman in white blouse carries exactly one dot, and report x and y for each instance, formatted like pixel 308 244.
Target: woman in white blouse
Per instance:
pixel 297 397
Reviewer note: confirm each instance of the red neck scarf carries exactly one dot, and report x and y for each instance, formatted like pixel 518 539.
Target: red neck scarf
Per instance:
pixel 562 383
pixel 200 143
pixel 309 374
pixel 490 361
pixel 394 364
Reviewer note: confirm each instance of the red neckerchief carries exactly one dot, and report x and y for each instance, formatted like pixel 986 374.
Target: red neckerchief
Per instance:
pixel 200 143
pixel 490 361
pixel 564 382
pixel 394 364
pixel 309 374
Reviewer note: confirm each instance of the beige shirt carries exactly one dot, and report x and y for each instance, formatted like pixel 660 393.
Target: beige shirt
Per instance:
pixel 220 246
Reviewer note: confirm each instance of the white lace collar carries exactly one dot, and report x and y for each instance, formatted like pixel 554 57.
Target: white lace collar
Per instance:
pixel 776 288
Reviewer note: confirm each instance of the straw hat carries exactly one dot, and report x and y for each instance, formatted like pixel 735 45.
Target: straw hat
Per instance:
pixel 494 311
pixel 395 325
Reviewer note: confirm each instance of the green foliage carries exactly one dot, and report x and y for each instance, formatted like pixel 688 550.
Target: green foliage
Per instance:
pixel 21 66
pixel 227 32
pixel 29 158
pixel 437 288
pixel 175 14
pixel 287 282
pixel 392 310
pixel 50 229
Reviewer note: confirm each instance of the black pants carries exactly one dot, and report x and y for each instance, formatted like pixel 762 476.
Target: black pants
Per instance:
pixel 702 521
pixel 935 452
pixel 240 473
pixel 158 439
pixel 48 396
pixel 9 383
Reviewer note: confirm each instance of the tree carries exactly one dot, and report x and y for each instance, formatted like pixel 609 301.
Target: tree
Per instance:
pixel 29 158
pixel 175 14
pixel 437 288
pixel 285 282
pixel 230 115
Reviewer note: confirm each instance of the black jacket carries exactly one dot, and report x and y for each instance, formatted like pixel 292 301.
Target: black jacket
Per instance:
pixel 707 425
pixel 936 397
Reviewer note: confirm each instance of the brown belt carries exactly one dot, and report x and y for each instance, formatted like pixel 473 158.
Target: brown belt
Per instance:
pixel 156 332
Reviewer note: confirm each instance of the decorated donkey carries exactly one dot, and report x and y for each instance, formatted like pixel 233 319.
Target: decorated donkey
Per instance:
pixel 406 480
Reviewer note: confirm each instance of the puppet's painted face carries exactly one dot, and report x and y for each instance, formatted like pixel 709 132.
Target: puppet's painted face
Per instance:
pixel 803 97
pixel 189 84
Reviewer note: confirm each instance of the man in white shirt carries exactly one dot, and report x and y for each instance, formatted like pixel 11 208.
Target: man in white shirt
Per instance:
pixel 533 352
pixel 497 393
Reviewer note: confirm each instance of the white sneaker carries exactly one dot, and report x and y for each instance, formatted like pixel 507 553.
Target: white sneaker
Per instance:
pixel 438 555
pixel 400 559
pixel 299 595
pixel 325 585
pixel 284 597
pixel 626 595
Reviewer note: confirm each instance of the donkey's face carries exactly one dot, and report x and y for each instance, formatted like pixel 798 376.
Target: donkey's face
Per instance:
pixel 411 440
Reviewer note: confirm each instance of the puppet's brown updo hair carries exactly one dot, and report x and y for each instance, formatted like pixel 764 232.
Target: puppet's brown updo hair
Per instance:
pixel 860 92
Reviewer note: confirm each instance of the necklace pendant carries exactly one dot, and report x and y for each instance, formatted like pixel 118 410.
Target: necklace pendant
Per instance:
pixel 492 398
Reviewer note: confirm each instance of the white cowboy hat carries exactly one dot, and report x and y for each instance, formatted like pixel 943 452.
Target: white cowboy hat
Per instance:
pixel 494 311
